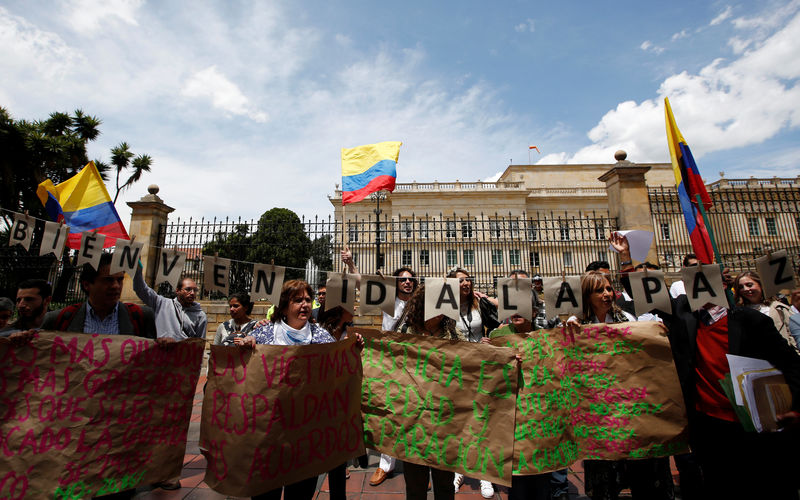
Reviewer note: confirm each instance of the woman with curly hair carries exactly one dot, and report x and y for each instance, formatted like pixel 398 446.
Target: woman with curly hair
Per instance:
pixel 413 321
pixel 749 292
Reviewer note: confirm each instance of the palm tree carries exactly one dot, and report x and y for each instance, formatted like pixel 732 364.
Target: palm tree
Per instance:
pixel 122 158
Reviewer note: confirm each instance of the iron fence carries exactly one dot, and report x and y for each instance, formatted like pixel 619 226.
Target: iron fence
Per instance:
pixel 747 221
pixel 488 246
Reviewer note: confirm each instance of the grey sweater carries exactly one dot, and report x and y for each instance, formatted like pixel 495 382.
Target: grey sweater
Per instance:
pixel 172 319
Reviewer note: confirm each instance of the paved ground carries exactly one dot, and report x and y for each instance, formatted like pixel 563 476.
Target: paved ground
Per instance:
pixel 194 466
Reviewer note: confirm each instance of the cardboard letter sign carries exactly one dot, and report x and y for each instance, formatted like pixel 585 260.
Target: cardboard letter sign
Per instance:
pixel 126 256
pixel 216 273
pixel 563 297
pixel 54 238
pixel 377 294
pixel 91 248
pixel 703 285
pixel 776 272
pixel 649 292
pixel 341 291
pixel 170 267
pixel 514 296
pixel 267 282
pixel 22 231
pixel 442 297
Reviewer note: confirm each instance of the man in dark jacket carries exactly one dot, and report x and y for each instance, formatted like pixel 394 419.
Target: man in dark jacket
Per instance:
pixel 103 312
pixel 735 463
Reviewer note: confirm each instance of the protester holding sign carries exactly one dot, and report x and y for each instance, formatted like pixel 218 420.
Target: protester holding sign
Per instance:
pixel 290 325
pixel 648 478
pixel 240 324
pixel 749 292
pixel 179 318
pixel 336 320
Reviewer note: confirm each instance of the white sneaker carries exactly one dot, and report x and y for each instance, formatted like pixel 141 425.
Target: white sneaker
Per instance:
pixel 487 490
pixel 458 480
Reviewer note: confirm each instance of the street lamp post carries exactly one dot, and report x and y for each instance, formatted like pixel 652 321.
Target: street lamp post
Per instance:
pixel 378 196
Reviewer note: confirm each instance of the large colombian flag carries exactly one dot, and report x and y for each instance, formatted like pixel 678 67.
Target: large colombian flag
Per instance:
pixel 370 168
pixel 83 203
pixel 690 184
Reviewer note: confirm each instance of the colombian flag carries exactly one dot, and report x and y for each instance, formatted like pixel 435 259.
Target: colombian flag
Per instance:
pixel 370 168
pixel 83 203
pixel 690 184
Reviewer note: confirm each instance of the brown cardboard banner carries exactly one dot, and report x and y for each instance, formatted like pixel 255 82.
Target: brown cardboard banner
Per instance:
pixel 447 404
pixel 611 394
pixel 274 415
pixel 89 415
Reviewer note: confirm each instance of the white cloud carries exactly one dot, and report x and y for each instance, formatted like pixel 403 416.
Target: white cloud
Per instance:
pixel 648 46
pixel 722 16
pixel 223 93
pixel 493 178
pixel 528 26
pixel 91 15
pixel 727 104
pixel 679 35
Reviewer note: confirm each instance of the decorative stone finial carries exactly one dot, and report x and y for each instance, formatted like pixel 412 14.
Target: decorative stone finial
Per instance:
pixel 620 155
pixel 152 189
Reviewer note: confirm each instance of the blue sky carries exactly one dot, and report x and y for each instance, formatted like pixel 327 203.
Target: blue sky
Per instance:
pixel 244 106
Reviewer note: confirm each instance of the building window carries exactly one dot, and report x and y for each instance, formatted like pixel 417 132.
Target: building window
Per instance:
pixel 352 232
pixel 497 257
pixel 513 228
pixel 563 229
pixel 381 234
pixel 599 230
pixel 665 234
pixel 466 228
pixel 450 229
pixel 451 257
pixel 602 255
pixel 423 230
pixel 405 258
pixel 469 257
pixel 424 258
pixel 567 259
pixel 534 259
pixel 513 257
pixel 669 259
pixel 495 229
pixel 381 259
pixel 533 231
pixel 752 226
pixel 772 228
pixel 406 229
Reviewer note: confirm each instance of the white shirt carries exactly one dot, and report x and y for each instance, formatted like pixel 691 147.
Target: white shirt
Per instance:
pixel 677 288
pixel 389 321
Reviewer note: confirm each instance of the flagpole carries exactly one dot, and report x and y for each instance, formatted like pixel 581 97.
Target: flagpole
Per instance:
pixel 711 237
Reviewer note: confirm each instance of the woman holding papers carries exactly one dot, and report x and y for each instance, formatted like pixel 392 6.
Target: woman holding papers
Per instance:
pixel 649 479
pixel 749 292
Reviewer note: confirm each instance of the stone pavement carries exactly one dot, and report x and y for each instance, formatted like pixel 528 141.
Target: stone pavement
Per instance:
pixel 358 487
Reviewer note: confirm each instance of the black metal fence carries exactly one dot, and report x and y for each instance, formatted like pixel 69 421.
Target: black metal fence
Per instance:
pixel 747 221
pixel 488 246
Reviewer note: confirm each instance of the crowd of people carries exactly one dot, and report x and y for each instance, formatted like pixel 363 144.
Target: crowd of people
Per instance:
pixel 725 461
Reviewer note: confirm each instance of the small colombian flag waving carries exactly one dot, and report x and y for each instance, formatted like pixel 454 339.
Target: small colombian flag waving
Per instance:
pixel 369 168
pixel 83 203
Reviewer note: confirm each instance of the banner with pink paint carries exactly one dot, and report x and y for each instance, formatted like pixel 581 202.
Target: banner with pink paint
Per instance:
pixel 611 392
pixel 84 415
pixel 274 415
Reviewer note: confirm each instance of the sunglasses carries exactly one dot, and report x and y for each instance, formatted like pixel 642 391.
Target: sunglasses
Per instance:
pixel 411 279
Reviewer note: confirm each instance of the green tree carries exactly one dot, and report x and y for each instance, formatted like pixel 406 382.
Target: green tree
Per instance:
pixel 322 252
pixel 235 246
pixel 122 159
pixel 281 237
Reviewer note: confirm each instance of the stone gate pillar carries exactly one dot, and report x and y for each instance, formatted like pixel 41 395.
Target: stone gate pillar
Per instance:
pixel 628 201
pixel 147 216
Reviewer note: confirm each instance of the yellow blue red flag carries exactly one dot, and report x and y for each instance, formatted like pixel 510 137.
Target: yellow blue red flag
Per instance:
pixel 690 184
pixel 83 203
pixel 369 168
